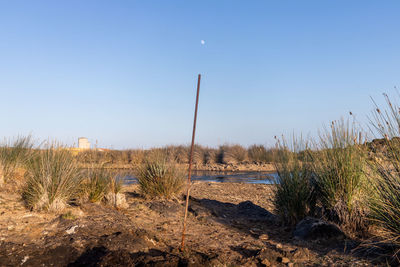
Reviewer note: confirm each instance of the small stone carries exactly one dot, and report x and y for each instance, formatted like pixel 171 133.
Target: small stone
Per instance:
pixel 263 237
pixel 300 253
pixel 283 259
pixel 157 258
pixel 266 262
pixel 117 200
pixel 290 264
pixel 278 246
pixel 215 262
pixel 24 260
pixel 71 230
pixel 313 229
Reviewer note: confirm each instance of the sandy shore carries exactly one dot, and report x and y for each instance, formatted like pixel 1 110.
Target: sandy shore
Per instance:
pixel 228 225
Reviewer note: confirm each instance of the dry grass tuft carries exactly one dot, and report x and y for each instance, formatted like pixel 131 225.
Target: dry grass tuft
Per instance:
pixel 160 177
pixel 53 179
pixel 341 185
pixel 96 185
pixel 385 177
pixel 102 186
pixel 294 196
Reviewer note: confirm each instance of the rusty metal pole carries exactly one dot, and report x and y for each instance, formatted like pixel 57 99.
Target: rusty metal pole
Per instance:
pixel 190 164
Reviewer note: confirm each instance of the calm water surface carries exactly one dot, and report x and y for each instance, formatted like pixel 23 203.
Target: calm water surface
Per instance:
pixel 225 177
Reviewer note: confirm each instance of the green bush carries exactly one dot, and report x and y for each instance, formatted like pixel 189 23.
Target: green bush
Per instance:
pixel 339 168
pixel 102 185
pixel 385 205
pixel 294 195
pixel 53 179
pixel 385 177
pixel 160 177
pixel 96 184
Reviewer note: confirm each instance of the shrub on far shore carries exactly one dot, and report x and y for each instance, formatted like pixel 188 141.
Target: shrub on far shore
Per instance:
pixel 181 154
pixel 136 157
pixel 53 179
pixel 232 154
pixel 160 177
pixel 225 154
pixel 259 153
pixel 294 196
pixel 210 156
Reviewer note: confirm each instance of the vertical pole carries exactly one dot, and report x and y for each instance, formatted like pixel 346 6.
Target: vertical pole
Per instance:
pixel 190 164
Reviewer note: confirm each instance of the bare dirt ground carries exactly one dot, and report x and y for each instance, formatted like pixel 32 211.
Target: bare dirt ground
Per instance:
pixel 228 225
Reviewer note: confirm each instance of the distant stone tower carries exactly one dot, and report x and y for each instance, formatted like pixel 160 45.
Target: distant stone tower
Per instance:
pixel 83 143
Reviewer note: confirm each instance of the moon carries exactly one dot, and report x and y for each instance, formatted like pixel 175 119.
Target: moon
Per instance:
pixel 202 42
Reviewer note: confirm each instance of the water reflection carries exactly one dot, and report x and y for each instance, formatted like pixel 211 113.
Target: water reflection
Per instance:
pixel 225 177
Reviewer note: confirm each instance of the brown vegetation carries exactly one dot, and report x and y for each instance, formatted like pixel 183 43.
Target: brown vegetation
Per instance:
pixel 226 154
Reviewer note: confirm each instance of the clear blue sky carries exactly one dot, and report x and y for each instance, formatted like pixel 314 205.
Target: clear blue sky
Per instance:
pixel 124 72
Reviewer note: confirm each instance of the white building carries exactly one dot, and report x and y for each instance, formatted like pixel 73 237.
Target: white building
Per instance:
pixel 83 143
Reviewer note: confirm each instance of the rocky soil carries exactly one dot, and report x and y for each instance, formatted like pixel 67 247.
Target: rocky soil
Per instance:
pixel 228 225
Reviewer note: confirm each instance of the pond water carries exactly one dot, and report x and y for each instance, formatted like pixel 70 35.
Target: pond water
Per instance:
pixel 225 177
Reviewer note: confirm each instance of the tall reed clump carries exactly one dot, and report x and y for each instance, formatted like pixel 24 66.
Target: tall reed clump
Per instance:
pixel 160 177
pixel 102 186
pixel 385 180
pixel 95 185
pixel 294 196
pixel 53 179
pixel 341 184
pixel 14 155
pixel 114 196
